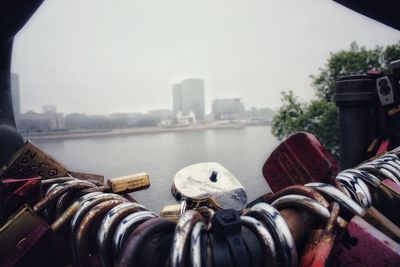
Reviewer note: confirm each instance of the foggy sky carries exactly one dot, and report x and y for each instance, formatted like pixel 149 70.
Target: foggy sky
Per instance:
pixel 106 56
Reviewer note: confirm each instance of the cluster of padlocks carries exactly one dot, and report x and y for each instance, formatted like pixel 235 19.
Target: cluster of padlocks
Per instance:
pixel 315 216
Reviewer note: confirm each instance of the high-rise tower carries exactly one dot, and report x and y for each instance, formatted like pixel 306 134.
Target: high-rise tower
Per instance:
pixel 188 95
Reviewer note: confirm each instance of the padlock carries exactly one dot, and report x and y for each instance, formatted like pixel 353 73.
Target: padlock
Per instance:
pixel 148 245
pixel 371 215
pixel 196 241
pixel 60 193
pixel 46 184
pixel 209 184
pixel 27 240
pixel 389 164
pixel 46 206
pixel 15 192
pixel 299 159
pixel 107 229
pixel 67 215
pixel 318 250
pixel 300 190
pixel 355 188
pixel 299 201
pixel 53 195
pixel 384 197
pixel 381 173
pixel 172 212
pixel 80 215
pixel 129 183
pixel 180 245
pixel 30 161
pixel 284 242
pixel 119 185
pixel 259 242
pixel 96 214
pixel 126 227
pixel 78 200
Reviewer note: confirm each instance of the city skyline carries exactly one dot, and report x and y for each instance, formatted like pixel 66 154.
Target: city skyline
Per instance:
pixel 184 83
pixel 109 57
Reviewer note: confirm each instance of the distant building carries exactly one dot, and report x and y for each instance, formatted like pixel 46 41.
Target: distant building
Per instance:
pixel 185 119
pixel 189 96
pixel 49 109
pixel 32 121
pixel 16 100
pixel 228 109
pixel 162 114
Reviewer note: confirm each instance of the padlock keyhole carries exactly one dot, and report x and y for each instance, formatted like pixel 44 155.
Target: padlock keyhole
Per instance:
pixel 213 177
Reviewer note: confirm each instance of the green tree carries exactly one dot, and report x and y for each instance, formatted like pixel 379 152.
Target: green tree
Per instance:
pixel 321 117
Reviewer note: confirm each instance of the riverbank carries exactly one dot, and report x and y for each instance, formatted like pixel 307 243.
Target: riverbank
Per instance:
pixel 126 131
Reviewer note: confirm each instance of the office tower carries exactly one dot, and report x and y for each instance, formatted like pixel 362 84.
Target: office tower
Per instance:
pixel 228 109
pixel 189 96
pixel 15 93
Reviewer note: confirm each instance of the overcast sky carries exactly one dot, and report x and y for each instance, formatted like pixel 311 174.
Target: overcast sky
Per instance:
pixel 107 56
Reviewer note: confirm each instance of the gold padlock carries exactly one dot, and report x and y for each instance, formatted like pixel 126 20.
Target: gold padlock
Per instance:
pixel 30 161
pixel 129 183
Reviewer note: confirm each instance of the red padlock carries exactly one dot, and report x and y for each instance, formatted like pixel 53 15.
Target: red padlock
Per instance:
pixel 300 159
pixel 16 192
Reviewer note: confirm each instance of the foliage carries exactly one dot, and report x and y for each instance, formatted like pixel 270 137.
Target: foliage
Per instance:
pixel 356 60
pixel 318 117
pixel 321 117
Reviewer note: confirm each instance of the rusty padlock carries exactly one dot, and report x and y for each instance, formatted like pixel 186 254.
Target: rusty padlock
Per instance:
pixel 319 249
pixel 118 185
pixel 361 235
pixel 85 254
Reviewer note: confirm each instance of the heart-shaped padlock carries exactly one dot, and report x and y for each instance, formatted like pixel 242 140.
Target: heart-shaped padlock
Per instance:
pixel 209 184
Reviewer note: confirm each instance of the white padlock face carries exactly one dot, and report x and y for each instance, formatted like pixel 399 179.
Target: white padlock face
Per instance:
pixel 211 181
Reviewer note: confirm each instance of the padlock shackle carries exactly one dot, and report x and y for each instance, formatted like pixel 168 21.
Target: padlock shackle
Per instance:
pixel 265 236
pixel 366 177
pixel 81 236
pixel 285 245
pixel 298 201
pixel 133 252
pixel 356 188
pixel 195 243
pixel 67 215
pixel 338 196
pixel 127 226
pixel 181 238
pixel 108 226
pixel 300 190
pixel 58 190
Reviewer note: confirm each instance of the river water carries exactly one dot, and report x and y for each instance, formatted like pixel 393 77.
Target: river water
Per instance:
pixel 242 151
